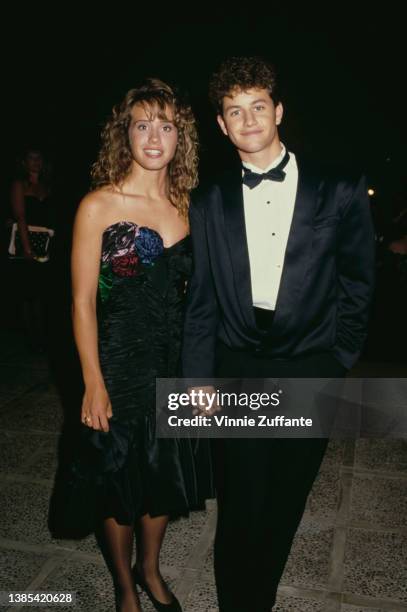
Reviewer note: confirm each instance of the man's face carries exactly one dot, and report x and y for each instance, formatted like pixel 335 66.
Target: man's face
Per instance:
pixel 250 120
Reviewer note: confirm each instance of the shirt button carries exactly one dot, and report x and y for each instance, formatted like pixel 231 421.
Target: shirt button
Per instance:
pixel 273 234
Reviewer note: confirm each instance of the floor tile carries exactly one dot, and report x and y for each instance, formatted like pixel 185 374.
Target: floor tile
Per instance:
pixel 380 502
pixel 376 564
pixel 385 455
pixel 18 568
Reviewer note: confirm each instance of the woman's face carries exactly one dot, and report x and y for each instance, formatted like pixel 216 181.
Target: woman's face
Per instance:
pixel 153 140
pixel 34 161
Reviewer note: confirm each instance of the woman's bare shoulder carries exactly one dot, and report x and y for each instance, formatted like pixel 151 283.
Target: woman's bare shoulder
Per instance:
pixel 96 204
pixel 102 195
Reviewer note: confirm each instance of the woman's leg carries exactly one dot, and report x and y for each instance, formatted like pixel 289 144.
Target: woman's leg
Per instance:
pixel 117 547
pixel 150 535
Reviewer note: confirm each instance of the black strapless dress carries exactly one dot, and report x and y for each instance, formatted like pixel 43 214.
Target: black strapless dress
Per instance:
pixel 39 212
pixel 127 472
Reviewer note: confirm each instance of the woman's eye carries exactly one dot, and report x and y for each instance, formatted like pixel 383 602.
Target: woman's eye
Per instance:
pixel 141 126
pixel 167 128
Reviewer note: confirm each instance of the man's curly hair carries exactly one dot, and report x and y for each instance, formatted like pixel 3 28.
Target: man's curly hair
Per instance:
pixel 240 74
pixel 115 157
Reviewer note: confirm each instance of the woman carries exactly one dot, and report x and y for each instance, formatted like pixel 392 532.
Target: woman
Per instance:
pixel 130 264
pixel 29 246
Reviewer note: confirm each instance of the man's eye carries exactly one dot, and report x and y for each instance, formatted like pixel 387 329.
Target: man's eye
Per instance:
pixel 234 113
pixel 259 107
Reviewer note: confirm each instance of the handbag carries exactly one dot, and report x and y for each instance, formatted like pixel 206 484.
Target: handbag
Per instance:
pixel 40 239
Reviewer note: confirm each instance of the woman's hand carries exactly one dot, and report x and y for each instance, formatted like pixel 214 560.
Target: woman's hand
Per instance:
pixel 96 408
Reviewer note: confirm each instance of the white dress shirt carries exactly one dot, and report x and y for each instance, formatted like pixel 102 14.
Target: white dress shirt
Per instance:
pixel 268 210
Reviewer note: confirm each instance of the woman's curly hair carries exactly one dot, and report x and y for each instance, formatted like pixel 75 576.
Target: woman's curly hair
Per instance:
pixel 115 157
pixel 241 74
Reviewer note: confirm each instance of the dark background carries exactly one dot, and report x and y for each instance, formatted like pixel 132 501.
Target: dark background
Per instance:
pixel 341 69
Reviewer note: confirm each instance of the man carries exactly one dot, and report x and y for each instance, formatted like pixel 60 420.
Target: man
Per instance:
pixel 283 278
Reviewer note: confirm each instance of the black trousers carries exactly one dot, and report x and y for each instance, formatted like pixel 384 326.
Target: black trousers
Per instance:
pixel 262 488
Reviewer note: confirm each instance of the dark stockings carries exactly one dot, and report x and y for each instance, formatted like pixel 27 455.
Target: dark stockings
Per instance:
pixel 118 548
pixel 150 535
pixel 116 542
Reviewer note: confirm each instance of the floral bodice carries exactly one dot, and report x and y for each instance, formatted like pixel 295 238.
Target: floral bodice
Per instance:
pixel 128 250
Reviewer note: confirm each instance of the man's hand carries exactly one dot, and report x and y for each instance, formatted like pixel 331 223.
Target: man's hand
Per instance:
pixel 204 400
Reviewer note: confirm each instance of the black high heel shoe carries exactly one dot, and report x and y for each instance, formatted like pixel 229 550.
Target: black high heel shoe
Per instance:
pixel 173 606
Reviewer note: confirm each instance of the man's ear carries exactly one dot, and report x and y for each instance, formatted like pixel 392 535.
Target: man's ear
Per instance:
pixel 279 113
pixel 222 124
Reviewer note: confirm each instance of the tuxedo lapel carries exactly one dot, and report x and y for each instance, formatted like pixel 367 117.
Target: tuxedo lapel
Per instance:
pixel 232 196
pixel 299 246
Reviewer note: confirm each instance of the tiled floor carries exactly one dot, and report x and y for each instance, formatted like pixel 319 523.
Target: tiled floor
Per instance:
pixel 350 554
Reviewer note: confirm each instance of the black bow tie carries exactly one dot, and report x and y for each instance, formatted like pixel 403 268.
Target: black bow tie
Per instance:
pixel 252 179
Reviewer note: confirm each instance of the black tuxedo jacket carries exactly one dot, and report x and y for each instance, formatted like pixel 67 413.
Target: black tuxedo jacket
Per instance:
pixel 326 284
